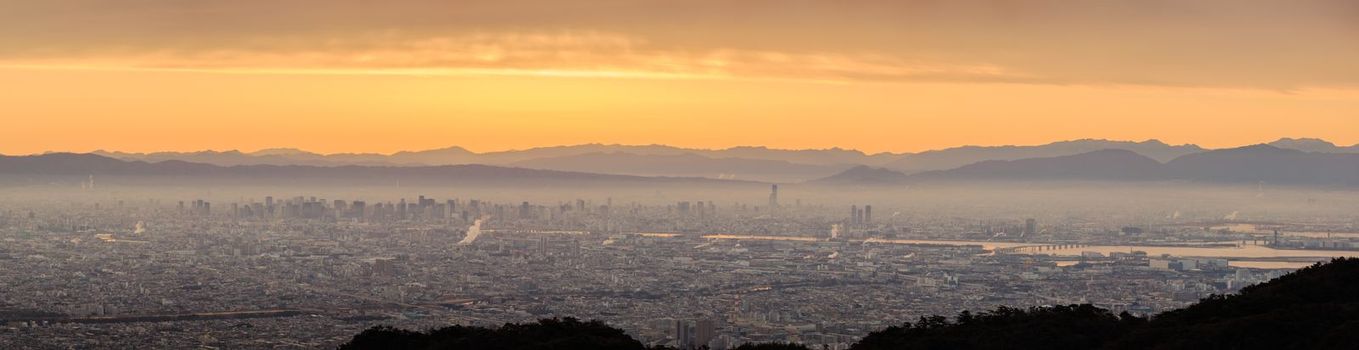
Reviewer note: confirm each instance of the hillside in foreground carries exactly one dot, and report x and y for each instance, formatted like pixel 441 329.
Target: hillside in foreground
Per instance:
pixel 1313 308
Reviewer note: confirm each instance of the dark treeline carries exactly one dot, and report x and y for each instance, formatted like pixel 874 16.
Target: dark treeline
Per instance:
pixel 567 333
pixel 1313 308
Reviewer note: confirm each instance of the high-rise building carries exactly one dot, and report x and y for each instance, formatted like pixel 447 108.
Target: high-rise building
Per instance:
pixel 1030 226
pixel 704 332
pixel 868 214
pixel 774 197
pixel 525 211
pixel 358 209
pixel 684 334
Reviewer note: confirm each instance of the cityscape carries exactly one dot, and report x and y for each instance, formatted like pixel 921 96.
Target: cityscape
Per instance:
pixel 106 268
pixel 679 175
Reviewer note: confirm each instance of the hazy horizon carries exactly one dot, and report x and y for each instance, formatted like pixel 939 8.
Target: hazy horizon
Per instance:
pixel 718 148
pixel 684 174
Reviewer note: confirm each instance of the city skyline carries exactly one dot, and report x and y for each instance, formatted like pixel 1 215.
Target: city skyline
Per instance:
pixel 679 174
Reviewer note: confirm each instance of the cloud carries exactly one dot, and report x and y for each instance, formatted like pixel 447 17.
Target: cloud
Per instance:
pixel 561 54
pixel 1262 44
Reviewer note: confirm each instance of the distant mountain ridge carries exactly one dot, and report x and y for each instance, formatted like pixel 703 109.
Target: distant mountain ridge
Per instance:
pixel 1108 164
pixel 458 155
pixel 1250 164
pixel 960 156
pixel 864 175
pixel 749 163
pixel 928 160
pixel 1313 145
pixel 684 164
pixel 58 167
pixel 1268 164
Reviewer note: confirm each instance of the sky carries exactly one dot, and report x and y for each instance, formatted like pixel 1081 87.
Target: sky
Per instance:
pixel 879 76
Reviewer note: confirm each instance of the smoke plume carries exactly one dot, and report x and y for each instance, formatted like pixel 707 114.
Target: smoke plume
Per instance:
pixel 472 233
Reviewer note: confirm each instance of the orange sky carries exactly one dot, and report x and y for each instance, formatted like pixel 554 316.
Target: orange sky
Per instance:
pixel 356 76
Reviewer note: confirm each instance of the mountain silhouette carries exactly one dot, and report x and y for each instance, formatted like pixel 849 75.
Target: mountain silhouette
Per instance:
pixel 1106 165
pixel 58 167
pixel 685 164
pixel 1313 145
pixel 864 175
pixel 960 156
pixel 1268 164
pixel 1250 164
pixel 456 155
pixel 745 162
pixel 1262 163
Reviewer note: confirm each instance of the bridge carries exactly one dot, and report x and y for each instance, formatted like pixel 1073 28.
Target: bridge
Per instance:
pixel 1044 247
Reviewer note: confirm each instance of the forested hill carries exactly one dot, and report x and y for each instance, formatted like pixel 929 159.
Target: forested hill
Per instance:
pixel 1313 308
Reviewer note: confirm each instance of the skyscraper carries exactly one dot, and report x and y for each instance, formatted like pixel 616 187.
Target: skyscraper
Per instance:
pixel 684 334
pixel 774 197
pixel 868 214
pixel 704 332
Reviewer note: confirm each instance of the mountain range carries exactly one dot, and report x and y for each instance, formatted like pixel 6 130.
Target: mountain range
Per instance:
pixel 1251 164
pixel 684 164
pixel 71 167
pixel 1109 164
pixel 1313 145
pixel 747 163
pixel 1305 162
pixel 959 156
pixel 458 155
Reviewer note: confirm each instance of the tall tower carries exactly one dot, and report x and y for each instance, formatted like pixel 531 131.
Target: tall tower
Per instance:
pixel 704 332
pixel 774 197
pixel 868 214
pixel 684 334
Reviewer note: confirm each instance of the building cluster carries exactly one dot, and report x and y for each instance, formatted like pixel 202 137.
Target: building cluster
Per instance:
pixel 310 272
